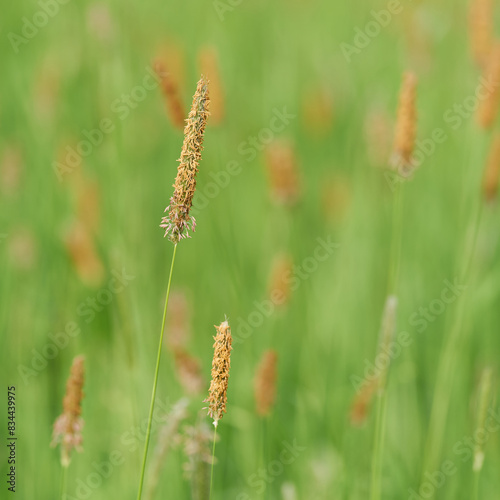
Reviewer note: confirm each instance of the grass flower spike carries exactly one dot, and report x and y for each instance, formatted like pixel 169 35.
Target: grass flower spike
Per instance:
pixel 481 16
pixel 283 174
pixel 68 427
pixel 178 221
pixel 487 110
pixel 404 140
pixel 171 91
pixel 265 383
pixel 220 372
pixel 492 171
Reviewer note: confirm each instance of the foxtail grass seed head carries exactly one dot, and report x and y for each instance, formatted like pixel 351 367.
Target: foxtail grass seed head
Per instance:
pixel 11 171
pixel 265 383
pixel 492 171
pixel 178 321
pixel 406 126
pixel 217 397
pixel 484 399
pixel 279 285
pixel 481 17
pixel 22 249
pixel 335 197
pixel 188 370
pixel 318 110
pixel 80 245
pixel 209 65
pixel 68 426
pixel 283 173
pixel 46 92
pixel 101 23
pixel 178 221
pixel 487 110
pixel 171 93
pixel 362 400
pixel 87 200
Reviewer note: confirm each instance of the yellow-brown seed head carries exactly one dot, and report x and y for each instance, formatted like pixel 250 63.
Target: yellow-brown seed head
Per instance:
pixel 171 92
pixel 188 371
pixel 217 397
pixel 361 403
pixel 492 170
pixel 265 383
pixel 209 65
pixel 81 247
pixel 283 173
pixel 178 221
pixel 481 16
pixel 488 105
pixel 279 286
pixel 406 126
pixel 68 426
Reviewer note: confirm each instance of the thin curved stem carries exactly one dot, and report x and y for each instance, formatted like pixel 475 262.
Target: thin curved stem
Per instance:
pixel 392 286
pixel 378 446
pixel 475 487
pixel 213 460
pixel 64 482
pixel 448 356
pixel 155 382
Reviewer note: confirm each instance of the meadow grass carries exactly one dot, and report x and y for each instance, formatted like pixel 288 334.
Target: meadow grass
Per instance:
pixel 272 58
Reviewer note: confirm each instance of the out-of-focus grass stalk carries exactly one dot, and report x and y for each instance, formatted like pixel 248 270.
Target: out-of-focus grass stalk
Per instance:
pixel 484 401
pixel 380 418
pixel 64 482
pixel 453 336
pixel 212 464
pixel 448 358
pixel 155 381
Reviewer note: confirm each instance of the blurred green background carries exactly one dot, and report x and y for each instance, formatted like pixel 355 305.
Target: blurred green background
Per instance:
pixel 65 232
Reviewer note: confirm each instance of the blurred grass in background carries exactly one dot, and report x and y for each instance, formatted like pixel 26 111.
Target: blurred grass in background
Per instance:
pixel 68 78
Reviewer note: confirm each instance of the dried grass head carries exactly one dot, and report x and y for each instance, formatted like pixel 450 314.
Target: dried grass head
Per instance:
pixel 68 426
pixel 406 126
pixel 221 362
pixel 265 383
pixel 178 221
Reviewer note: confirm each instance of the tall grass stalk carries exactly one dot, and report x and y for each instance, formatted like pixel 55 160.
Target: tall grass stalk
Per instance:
pixel 448 357
pixel 64 482
pixel 212 464
pixel 155 381
pixel 392 285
